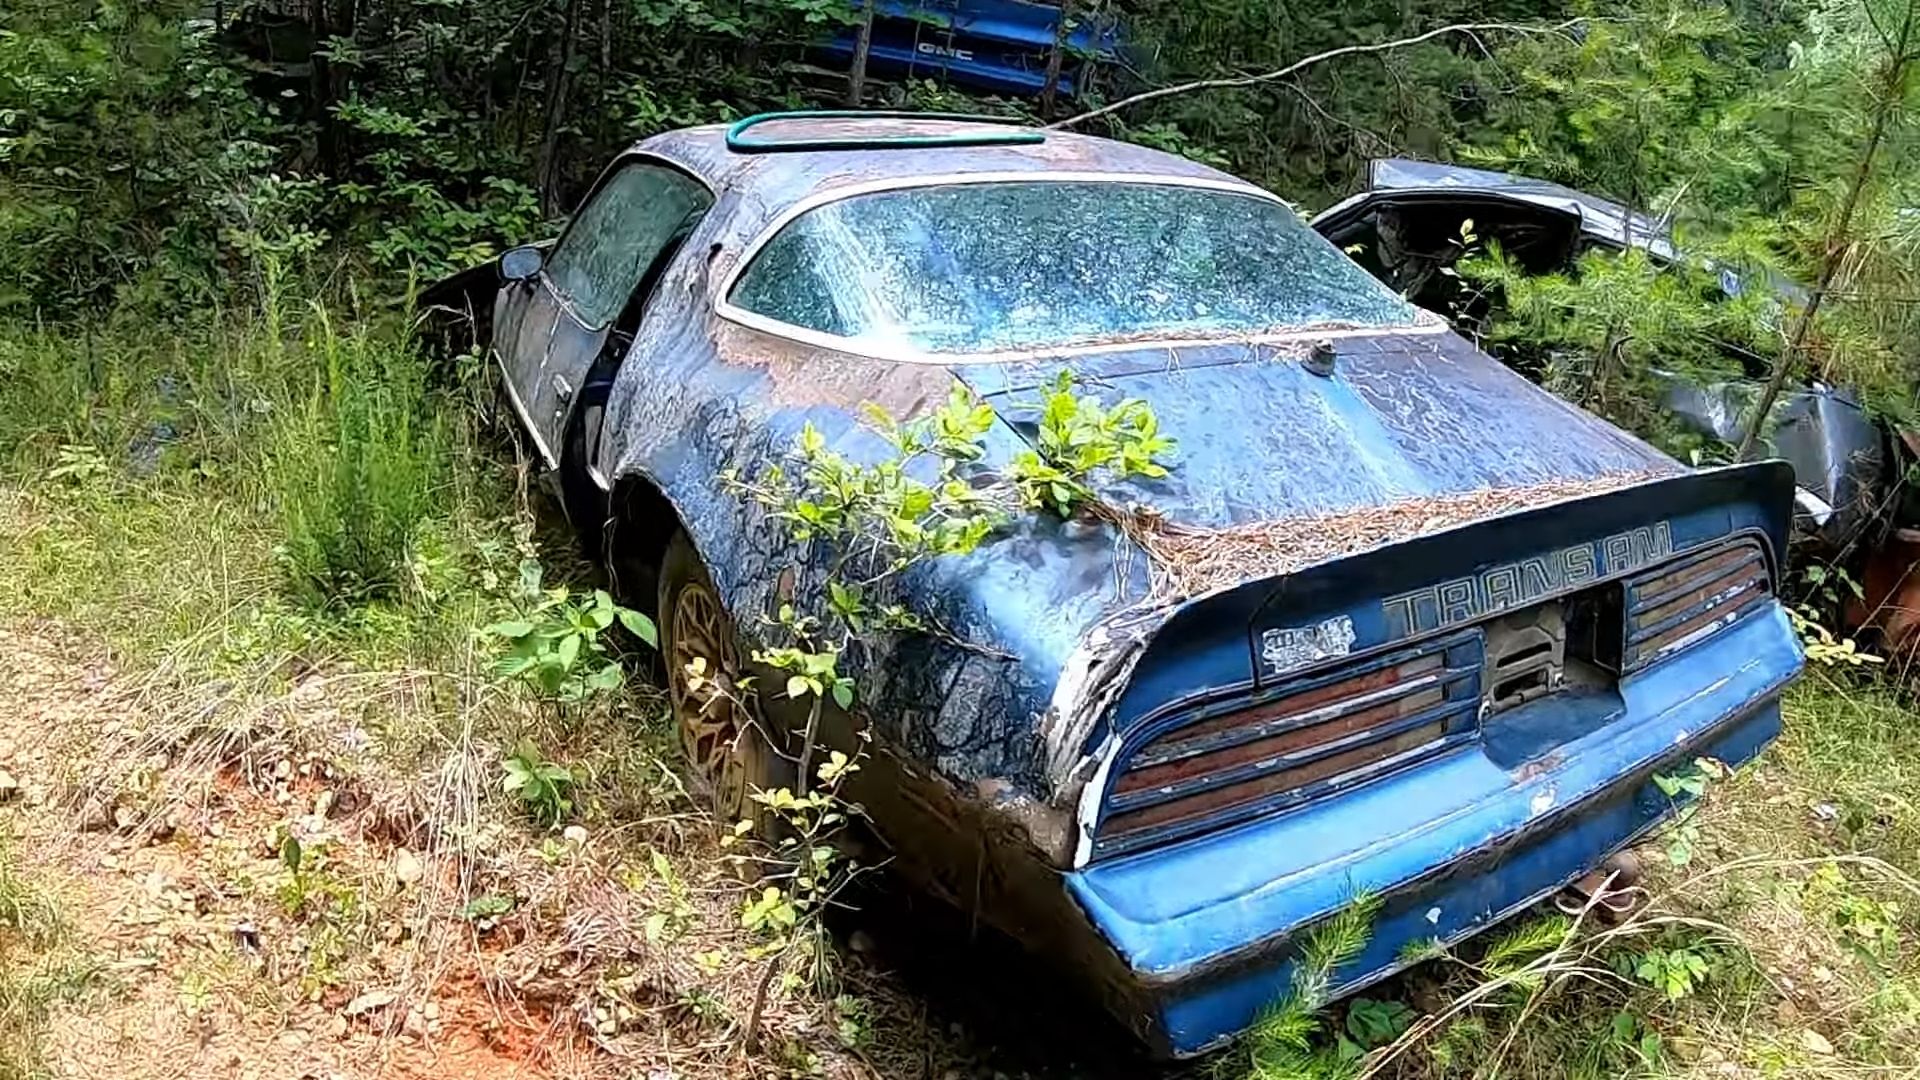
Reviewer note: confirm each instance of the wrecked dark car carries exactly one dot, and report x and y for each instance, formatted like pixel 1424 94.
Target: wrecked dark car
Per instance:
pixel 1404 227
pixel 1413 626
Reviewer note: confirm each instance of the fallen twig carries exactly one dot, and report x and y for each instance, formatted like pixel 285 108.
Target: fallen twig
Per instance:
pixel 1300 65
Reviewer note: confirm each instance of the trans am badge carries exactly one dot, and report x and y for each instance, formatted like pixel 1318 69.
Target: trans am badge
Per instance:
pixel 1287 648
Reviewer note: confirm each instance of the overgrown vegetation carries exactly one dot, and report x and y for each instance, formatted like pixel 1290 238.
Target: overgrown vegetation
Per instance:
pixel 31 975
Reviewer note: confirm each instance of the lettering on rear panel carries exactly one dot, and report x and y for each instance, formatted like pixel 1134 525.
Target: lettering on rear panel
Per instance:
pixel 1530 580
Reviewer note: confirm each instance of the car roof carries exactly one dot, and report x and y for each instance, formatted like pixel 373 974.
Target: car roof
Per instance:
pixel 764 185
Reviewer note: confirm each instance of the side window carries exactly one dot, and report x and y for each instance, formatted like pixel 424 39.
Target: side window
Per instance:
pixel 624 226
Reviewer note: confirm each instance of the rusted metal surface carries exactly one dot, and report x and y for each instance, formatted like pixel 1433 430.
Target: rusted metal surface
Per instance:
pixel 1891 604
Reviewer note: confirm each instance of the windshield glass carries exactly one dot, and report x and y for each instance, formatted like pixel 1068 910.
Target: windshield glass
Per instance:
pixel 1026 264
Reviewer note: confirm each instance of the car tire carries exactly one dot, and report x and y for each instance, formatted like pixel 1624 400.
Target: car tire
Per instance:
pixel 729 753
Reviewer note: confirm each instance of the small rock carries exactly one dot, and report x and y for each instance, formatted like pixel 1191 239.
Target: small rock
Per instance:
pixel 414 1026
pixel 861 942
pixel 125 817
pixel 337 1027
pixel 575 835
pixel 369 1001
pixel 407 867
pixel 431 1010
pixel 283 769
pixel 110 861
pixel 1816 1043
pixel 166 826
pixel 1826 811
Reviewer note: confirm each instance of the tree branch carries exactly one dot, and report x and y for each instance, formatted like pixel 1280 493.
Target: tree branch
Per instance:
pixel 1469 29
pixel 1892 89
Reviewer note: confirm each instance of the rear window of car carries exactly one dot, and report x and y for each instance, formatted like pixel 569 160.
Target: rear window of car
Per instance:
pixel 1021 265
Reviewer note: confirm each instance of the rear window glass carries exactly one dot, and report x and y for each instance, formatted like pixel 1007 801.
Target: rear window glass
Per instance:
pixel 1014 265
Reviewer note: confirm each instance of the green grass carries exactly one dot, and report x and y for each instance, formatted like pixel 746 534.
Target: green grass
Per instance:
pixel 355 466
pixel 318 503
pixel 1797 911
pixel 33 975
pixel 215 493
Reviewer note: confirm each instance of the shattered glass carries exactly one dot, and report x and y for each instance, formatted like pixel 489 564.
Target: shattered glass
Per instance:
pixel 1027 264
pixel 617 234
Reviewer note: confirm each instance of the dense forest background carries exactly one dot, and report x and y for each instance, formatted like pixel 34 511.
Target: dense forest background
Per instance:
pixel 162 156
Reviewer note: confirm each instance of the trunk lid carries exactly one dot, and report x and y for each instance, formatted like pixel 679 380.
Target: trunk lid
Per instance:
pixel 1403 416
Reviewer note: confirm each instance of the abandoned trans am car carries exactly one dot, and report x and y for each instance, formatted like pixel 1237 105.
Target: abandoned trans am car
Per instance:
pixel 1400 621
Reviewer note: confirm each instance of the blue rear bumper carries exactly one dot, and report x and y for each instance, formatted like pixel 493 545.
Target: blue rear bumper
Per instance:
pixel 1206 928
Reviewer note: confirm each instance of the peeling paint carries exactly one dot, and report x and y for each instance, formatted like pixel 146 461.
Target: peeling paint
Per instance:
pixel 1541 802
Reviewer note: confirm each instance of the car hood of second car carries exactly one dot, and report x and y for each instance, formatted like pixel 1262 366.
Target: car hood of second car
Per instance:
pixel 1263 436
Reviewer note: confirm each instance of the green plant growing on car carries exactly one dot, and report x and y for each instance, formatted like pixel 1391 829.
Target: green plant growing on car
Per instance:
pixel 1079 439
pixel 933 494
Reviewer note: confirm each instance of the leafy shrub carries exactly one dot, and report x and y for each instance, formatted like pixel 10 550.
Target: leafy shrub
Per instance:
pixel 1079 438
pixel 557 647
pixel 121 131
pixel 1677 972
pixel 354 467
pixel 543 786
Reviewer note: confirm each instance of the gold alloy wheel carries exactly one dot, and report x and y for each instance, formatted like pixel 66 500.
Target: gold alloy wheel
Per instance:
pixel 706 706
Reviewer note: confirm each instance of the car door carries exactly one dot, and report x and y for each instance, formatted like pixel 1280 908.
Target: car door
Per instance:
pixel 551 327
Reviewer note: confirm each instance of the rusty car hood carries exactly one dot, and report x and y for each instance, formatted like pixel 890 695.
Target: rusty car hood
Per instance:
pixel 1403 416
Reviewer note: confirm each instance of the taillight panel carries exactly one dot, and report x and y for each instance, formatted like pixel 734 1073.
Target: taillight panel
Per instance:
pixel 1202 766
pixel 1683 601
pixel 1214 764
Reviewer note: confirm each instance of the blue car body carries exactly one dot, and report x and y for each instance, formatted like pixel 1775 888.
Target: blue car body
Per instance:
pixel 1462 625
pixel 998 46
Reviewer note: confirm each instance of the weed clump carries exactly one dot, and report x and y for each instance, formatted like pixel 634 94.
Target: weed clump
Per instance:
pixel 355 466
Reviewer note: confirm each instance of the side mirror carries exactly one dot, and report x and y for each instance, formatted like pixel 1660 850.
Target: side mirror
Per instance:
pixel 521 263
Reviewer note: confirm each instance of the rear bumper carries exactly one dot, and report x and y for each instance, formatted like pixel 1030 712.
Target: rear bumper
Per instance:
pixel 1206 929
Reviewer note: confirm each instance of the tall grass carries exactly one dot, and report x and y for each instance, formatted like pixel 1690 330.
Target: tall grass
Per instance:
pixel 29 928
pixel 257 482
pixel 355 465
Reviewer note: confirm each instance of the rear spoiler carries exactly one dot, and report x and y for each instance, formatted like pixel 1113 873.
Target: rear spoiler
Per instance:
pixel 1207 645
